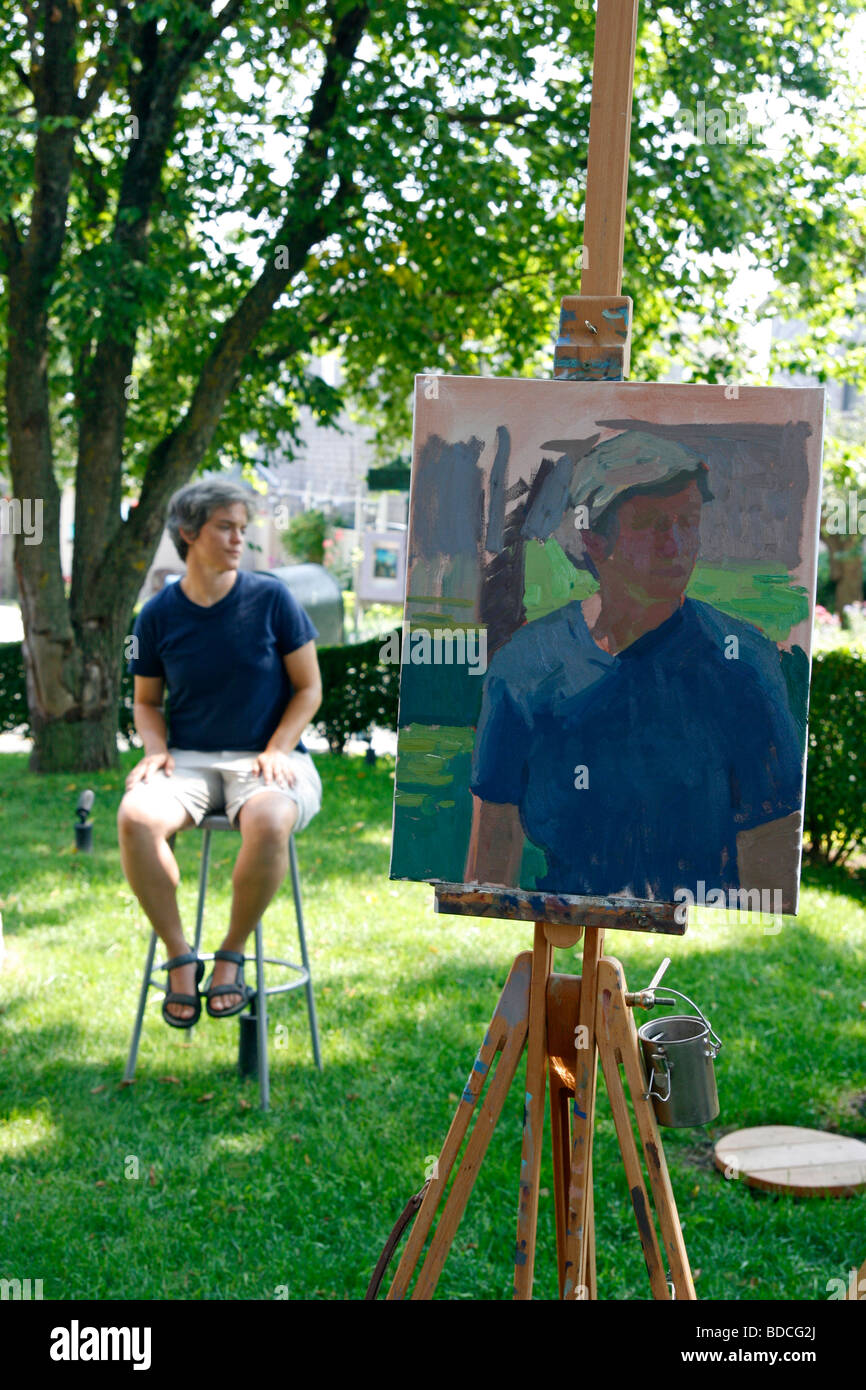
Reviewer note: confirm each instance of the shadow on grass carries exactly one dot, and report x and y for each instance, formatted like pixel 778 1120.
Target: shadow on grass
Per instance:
pixel 174 1188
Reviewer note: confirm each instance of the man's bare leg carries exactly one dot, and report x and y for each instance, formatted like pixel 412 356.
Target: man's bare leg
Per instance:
pixel 266 822
pixel 152 873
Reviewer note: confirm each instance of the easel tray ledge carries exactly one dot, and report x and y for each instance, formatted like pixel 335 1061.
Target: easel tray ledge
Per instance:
pixel 516 904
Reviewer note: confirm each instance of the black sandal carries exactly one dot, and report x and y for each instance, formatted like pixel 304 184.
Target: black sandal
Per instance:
pixel 238 987
pixel 194 1000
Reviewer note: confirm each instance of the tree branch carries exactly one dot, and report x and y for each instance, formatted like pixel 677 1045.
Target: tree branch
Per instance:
pixel 99 83
pixel 17 68
pixel 304 224
pixel 10 243
pixel 154 103
pixel 166 60
pixel 53 86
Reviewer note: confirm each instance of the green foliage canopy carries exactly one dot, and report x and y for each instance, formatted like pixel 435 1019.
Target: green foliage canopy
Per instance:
pixel 436 182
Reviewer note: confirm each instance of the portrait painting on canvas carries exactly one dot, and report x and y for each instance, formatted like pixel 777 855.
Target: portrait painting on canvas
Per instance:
pixel 606 648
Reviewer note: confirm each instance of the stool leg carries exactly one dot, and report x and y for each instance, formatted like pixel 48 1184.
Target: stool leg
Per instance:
pixel 139 1017
pixel 262 1020
pixel 299 914
pixel 202 889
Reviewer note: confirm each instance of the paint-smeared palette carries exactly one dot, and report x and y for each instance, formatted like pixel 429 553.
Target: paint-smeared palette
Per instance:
pixel 605 658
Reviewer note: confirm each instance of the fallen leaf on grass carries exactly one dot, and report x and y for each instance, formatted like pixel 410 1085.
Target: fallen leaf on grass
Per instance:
pixel 101 1183
pixel 170 1080
pixel 126 1083
pixel 244 1104
pixel 94 1090
pixel 151 1176
pixel 208 1095
pixel 353 1095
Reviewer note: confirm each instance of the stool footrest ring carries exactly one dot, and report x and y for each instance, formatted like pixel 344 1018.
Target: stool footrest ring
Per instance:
pixel 301 971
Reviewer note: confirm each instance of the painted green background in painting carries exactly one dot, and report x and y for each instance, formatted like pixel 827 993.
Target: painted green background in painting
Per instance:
pixel 432 801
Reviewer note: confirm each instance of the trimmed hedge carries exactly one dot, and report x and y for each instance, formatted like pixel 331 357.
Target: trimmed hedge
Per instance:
pixel 835 820
pixel 14 713
pixel 359 693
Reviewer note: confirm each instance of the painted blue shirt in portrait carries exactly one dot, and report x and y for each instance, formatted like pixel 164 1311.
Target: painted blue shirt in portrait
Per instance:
pixel 683 746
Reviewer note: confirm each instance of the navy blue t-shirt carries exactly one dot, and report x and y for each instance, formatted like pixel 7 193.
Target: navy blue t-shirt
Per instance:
pixel 682 748
pixel 223 665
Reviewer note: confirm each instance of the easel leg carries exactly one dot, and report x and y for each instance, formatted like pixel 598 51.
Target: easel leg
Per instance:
pixel 615 1035
pixel 577 1269
pixel 560 1096
pixel 563 1007
pixel 622 1030
pixel 590 1279
pixel 634 1176
pixel 507 1033
pixel 533 1115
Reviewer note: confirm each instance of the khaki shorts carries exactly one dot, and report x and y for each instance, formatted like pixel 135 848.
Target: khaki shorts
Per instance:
pixel 211 783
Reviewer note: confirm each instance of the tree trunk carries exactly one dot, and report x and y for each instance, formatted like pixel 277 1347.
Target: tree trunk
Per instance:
pixel 73 672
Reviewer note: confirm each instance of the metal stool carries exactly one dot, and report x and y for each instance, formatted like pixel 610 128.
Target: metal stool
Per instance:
pixel 253 1045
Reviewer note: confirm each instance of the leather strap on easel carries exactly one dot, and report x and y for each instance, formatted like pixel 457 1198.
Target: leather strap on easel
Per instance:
pixel 393 1240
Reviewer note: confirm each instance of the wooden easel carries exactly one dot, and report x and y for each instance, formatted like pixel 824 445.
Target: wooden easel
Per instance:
pixel 568 1020
pixel 549 1011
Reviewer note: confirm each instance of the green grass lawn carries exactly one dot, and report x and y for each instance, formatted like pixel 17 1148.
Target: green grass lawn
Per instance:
pixel 229 1203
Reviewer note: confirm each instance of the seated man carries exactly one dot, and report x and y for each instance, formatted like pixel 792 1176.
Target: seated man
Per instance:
pixel 643 740
pixel 238 656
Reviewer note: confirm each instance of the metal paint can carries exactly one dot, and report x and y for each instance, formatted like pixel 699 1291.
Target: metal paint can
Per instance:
pixel 679 1052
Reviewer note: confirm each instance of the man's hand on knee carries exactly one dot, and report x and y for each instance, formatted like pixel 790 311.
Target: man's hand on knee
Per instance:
pixel 151 763
pixel 274 767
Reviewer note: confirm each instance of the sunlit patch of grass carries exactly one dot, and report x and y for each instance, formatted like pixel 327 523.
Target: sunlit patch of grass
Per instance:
pixel 304 1196
pixel 21 1132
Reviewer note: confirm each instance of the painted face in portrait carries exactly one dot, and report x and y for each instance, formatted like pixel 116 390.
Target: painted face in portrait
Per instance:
pixel 648 549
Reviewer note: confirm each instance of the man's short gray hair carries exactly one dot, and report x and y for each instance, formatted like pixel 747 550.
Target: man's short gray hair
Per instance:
pixel 191 507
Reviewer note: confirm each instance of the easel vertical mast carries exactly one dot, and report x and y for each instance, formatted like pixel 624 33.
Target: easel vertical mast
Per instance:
pixel 601 276
pixel 593 344
pixel 609 132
